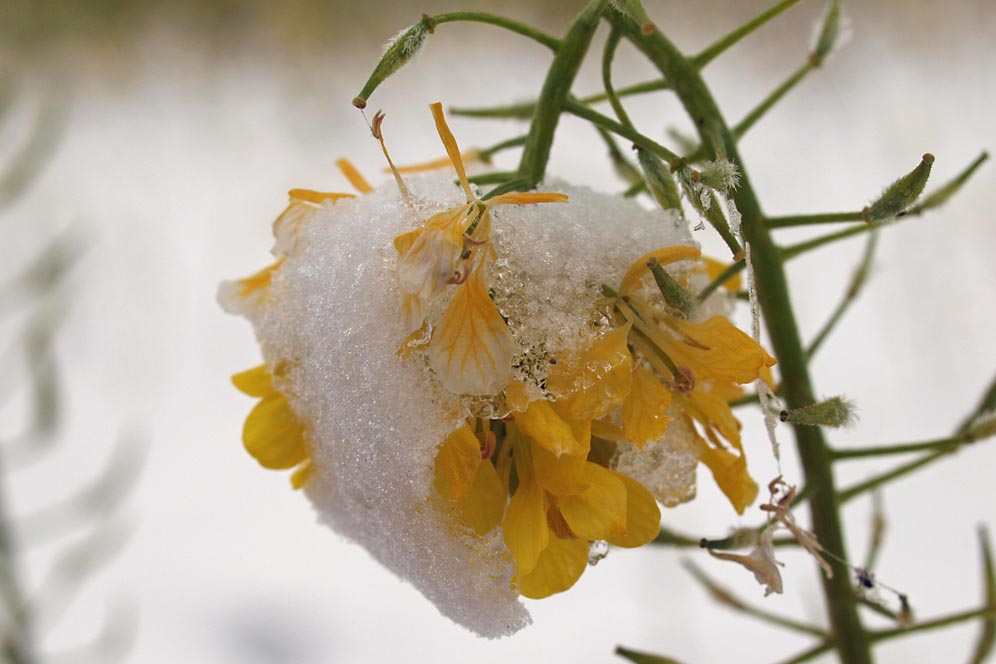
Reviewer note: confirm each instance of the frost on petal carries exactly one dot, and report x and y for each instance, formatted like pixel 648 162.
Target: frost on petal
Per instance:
pixel 761 562
pixel 242 295
pixel 591 384
pixel 457 463
pixel 644 413
pixel 471 349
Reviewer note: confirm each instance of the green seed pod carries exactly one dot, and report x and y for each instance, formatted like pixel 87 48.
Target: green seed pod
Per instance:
pixel 901 194
pixel 828 32
pixel 398 52
pixel 659 180
pixel 941 196
pixel 834 412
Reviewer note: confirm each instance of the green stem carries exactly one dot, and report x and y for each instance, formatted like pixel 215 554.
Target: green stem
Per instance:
pixel 846 495
pixel 986 404
pixel 525 110
pixel 517 27
pixel 857 281
pixel 585 113
pixel 945 621
pixel 812 653
pixel 715 49
pixel 772 288
pixel 744 125
pixel 16 644
pixel 724 596
pixel 556 90
pixel 608 54
pixel 794 250
pixel 812 219
pixel 945 444
pixel 513 142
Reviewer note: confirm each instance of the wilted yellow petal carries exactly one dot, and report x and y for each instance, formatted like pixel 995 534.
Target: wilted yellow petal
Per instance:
pixel 589 386
pixel 273 435
pixel 301 474
pixel 545 426
pixel 714 268
pixel 484 506
pixel 599 512
pixel 358 181
pixel 471 350
pixel 664 256
pixel 559 567
pixel 404 242
pixel 516 397
pixel 717 350
pixel 712 410
pixel 255 382
pixel 730 473
pixel 527 198
pixel 643 516
pixel 456 464
pixel 644 415
pixel 761 562
pixel 452 149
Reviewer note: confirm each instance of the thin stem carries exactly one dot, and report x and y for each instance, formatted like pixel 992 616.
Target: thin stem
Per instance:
pixel 986 404
pixel 813 652
pixel 945 621
pixel 495 177
pixel 17 642
pixel 513 142
pixel 717 48
pixel 758 112
pixel 525 110
pixel 512 25
pixel 794 250
pixel 724 596
pixel 556 90
pixel 518 184
pixel 987 639
pixel 941 444
pixel 772 289
pixel 607 56
pixel 877 532
pixel 848 494
pixel 850 296
pixel 813 219
pixel 585 113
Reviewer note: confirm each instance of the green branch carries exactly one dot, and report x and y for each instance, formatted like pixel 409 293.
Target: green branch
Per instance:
pixel 758 112
pixel 712 51
pixel 593 116
pixel 772 289
pixel 945 621
pixel 813 219
pixel 511 25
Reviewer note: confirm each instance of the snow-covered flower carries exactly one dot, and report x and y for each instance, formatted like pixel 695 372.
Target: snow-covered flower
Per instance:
pixel 464 384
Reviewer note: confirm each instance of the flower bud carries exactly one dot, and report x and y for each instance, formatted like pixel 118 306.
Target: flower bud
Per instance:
pixel 397 53
pixel 659 180
pixel 901 194
pixel 834 412
pixel 828 33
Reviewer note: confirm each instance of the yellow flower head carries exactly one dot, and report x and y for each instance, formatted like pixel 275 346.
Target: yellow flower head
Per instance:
pixel 461 383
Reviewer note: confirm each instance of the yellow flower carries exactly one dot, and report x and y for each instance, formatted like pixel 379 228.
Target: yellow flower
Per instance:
pixel 472 347
pixel 272 433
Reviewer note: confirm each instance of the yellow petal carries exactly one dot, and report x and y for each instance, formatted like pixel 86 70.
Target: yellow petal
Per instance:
pixel 643 516
pixel 714 268
pixel 599 512
pixel 524 529
pixel 471 350
pixel 255 382
pixel 516 397
pixel 717 350
pixel 316 197
pixel 591 385
pixel 403 243
pixel 301 474
pixel 712 410
pixel 644 415
pixel 484 506
pixel 456 464
pixel 287 226
pixel 442 162
pixel 452 149
pixel 559 567
pixel 664 256
pixel 564 475
pixel 273 435
pixel 250 290
pixel 730 473
pixel 545 426
pixel 527 198
pixel 358 181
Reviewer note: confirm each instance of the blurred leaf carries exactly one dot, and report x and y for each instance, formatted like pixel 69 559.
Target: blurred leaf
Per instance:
pixel 26 164
pixel 116 637
pixel 100 497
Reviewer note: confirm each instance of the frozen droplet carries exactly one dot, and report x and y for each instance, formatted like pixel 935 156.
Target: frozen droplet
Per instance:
pixel 597 550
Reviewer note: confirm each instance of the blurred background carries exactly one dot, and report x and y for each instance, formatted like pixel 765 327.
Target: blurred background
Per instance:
pixel 146 147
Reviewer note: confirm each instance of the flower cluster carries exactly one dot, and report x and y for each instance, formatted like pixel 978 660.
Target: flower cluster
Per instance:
pixel 462 384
